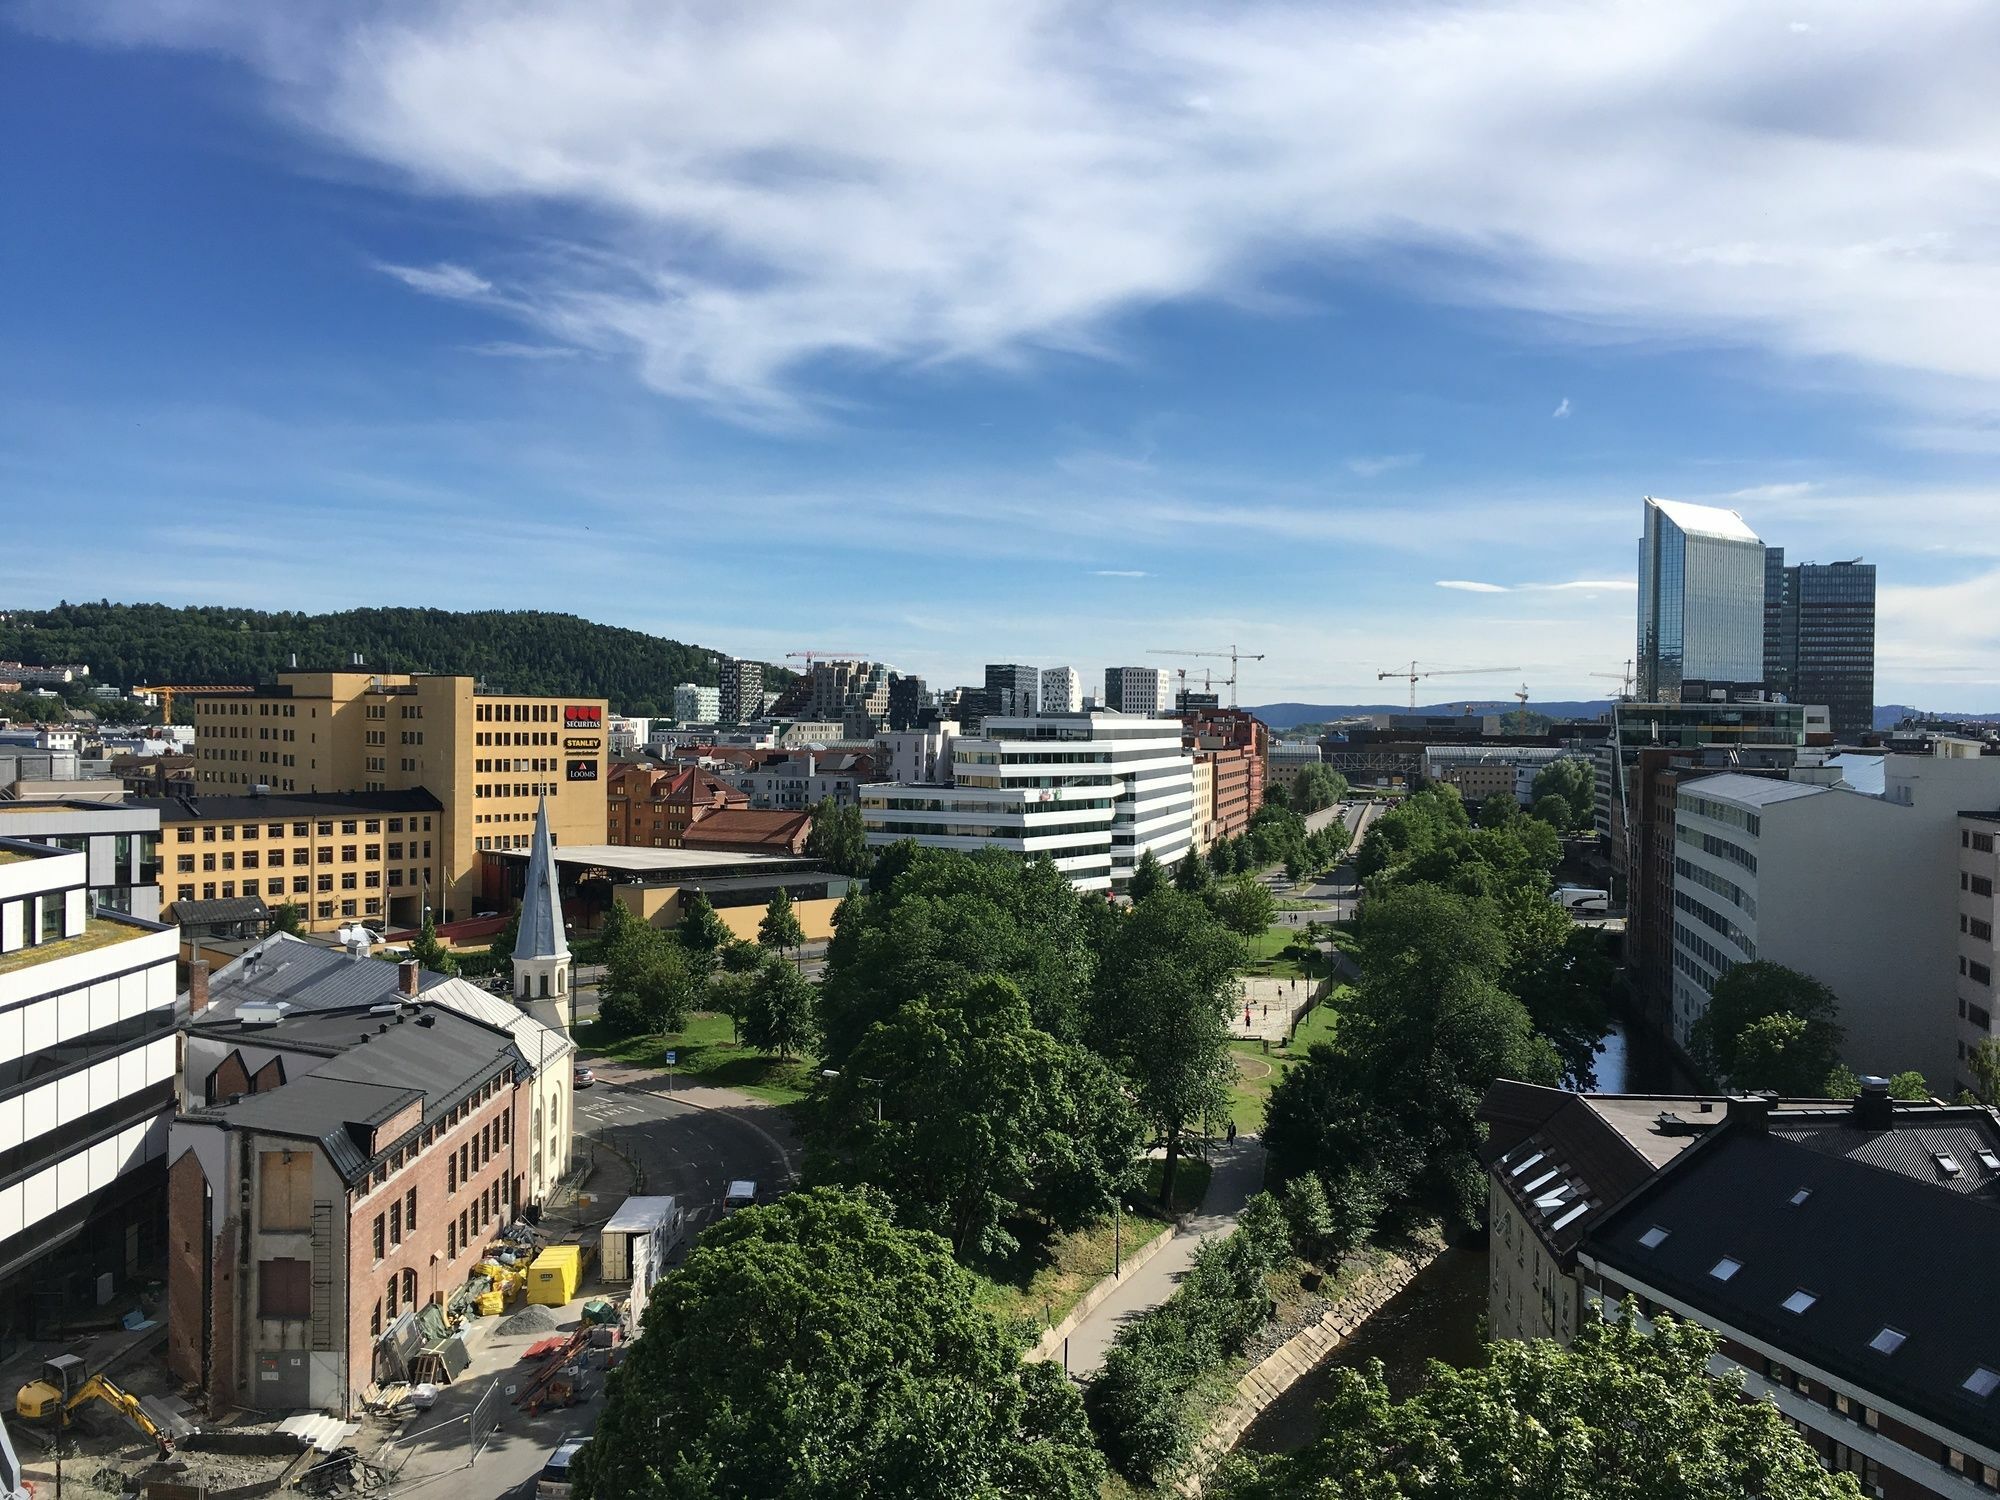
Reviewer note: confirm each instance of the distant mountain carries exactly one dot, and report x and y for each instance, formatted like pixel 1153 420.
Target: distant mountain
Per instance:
pixel 1283 716
pixel 519 651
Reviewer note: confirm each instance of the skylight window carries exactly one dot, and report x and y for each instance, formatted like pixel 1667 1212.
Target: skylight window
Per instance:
pixel 1517 1171
pixel 1540 1182
pixel 1653 1238
pixel 1982 1382
pixel 1989 1161
pixel 1888 1341
pixel 1554 1199
pixel 1573 1214
pixel 1946 1163
pixel 1800 1196
pixel 1799 1301
pixel 1725 1268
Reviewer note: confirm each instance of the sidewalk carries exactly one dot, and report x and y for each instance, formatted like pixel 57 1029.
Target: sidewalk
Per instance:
pixel 1239 1173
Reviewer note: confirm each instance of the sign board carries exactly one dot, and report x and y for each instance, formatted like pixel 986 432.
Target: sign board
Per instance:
pixel 582 716
pixel 582 770
pixel 672 1057
pixel 582 742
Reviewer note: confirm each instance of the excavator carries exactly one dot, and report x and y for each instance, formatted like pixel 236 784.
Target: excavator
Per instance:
pixel 64 1387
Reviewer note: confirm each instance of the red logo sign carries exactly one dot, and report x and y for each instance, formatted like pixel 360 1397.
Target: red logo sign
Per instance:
pixel 582 716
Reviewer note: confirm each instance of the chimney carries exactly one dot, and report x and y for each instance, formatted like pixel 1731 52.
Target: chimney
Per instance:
pixel 1873 1108
pixel 1753 1111
pixel 410 974
pixel 197 987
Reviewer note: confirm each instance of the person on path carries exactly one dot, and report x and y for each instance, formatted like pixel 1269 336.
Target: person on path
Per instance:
pixel 1232 1132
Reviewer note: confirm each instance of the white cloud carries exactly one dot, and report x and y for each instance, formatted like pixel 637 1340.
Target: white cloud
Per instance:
pixel 508 349
pixel 1468 586
pixel 1592 585
pixel 1370 468
pixel 441 280
pixel 1774 491
pixel 1119 573
pixel 741 199
pixel 1562 408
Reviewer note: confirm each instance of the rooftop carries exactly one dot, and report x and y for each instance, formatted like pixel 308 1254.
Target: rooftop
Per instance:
pixel 98 932
pixel 189 809
pixel 635 860
pixel 1753 791
pixel 1706 520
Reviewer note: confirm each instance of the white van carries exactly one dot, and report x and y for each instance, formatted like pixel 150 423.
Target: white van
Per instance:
pixel 1582 901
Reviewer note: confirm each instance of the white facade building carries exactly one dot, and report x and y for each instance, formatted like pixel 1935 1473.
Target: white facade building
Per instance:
pixel 1138 690
pixel 1978 954
pixel 120 845
pixel 1093 792
pixel 87 1053
pixel 628 734
pixel 694 704
pixel 918 755
pixel 1062 690
pixel 1859 890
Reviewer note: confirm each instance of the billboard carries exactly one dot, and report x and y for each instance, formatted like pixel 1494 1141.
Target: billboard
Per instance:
pixel 583 742
pixel 582 716
pixel 582 770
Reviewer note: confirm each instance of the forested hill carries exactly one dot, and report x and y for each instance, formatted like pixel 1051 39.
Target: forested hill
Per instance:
pixel 523 651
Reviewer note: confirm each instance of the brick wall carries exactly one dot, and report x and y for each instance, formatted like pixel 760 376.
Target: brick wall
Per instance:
pixel 187 1253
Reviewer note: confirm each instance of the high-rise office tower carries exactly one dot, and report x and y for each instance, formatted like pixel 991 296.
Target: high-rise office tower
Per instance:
pixel 1062 691
pixel 1819 638
pixel 1013 691
pixel 1701 602
pixel 742 692
pixel 1138 690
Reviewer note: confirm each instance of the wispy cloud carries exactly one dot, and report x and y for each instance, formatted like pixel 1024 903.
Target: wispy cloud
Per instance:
pixel 441 280
pixel 1575 585
pixel 1790 491
pixel 1370 468
pixel 743 200
pixel 1468 586
pixel 1562 408
pixel 1119 573
pixel 507 349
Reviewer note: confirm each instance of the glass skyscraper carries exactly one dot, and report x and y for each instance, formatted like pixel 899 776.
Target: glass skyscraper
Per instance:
pixel 1819 638
pixel 1701 601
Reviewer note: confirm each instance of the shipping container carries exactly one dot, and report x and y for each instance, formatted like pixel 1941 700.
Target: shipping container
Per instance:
pixel 553 1278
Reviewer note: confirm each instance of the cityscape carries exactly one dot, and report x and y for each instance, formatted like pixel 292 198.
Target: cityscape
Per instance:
pixel 1163 1010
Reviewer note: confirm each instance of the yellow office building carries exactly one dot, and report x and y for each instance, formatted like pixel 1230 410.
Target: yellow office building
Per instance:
pixel 486 757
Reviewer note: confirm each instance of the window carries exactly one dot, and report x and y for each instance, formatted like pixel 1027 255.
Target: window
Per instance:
pixel 284 1181
pixel 410 1289
pixel 1725 1268
pixel 1653 1238
pixel 396 1223
pixel 1798 1199
pixel 395 1283
pixel 1982 1382
pixel 183 835
pixel 375 1320
pixel 381 1244
pixel 284 1289
pixel 410 1210
pixel 1799 1301
pixel 450 1240
pixel 451 1173
pixel 1888 1341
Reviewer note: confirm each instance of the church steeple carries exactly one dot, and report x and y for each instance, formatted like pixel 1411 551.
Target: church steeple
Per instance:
pixel 541 952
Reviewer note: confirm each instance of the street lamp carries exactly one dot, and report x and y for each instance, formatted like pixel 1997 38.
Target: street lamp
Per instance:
pixel 832 1073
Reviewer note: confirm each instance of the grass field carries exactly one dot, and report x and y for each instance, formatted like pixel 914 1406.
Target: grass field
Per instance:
pixel 706 1054
pixel 1258 1071
pixel 1045 1282
pixel 1266 960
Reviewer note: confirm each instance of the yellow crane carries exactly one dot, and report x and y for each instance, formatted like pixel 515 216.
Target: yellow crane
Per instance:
pixel 1413 676
pixel 63 1388
pixel 165 691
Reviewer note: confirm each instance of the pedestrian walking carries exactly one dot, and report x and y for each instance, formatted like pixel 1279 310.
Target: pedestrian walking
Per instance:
pixel 1232 1132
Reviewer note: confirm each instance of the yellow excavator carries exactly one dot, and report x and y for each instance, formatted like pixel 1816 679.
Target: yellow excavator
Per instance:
pixel 64 1387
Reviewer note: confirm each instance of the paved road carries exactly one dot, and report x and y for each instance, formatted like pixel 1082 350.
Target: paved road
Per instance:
pixel 1239 1172
pixel 688 1149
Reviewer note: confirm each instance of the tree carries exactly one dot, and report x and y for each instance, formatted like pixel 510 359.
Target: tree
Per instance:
pixel 701 934
pixel 1498 810
pixel 981 1116
pixel 1618 1415
pixel 810 1349
pixel 288 917
pixel 779 1009
pixel 649 984
pixel 1555 811
pixel 1777 1055
pixel 1192 875
pixel 1314 788
pixel 1245 904
pixel 780 925
pixel 428 951
pixel 501 949
pixel 1277 795
pixel 838 839
pixel 1148 877
pixel 1561 971
pixel 1574 780
pixel 1984 1061
pixel 1222 857
pixel 1166 989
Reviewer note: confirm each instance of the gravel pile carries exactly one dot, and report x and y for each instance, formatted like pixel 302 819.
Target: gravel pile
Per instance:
pixel 534 1318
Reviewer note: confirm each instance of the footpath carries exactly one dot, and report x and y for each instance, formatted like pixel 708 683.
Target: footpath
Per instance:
pixel 1238 1174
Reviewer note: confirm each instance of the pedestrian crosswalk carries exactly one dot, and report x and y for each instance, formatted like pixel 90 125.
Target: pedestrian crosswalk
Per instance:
pixel 610 1110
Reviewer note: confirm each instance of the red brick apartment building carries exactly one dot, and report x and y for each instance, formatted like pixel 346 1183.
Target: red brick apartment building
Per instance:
pixel 1234 744
pixel 648 806
pixel 344 1153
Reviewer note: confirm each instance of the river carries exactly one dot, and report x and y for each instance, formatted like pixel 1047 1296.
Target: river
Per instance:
pixel 1442 1313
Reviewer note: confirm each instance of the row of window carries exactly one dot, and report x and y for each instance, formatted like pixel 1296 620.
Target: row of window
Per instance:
pixel 1721 848
pixel 514 789
pixel 1979 885
pixel 1979 974
pixel 1728 890
pixel 1983 842
pixel 324 828
pixel 1721 812
pixel 1715 921
pixel 1701 947
pixel 516 713
pixel 524 763
pixel 264 709
pixel 515 737
pixel 390 1226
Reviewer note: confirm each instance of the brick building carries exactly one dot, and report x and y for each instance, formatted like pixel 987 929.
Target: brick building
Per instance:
pixel 649 806
pixel 1234 744
pixel 345 1150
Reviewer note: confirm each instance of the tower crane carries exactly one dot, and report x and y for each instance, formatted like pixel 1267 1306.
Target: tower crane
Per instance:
pixel 165 691
pixel 815 654
pixel 1624 681
pixel 1232 653
pixel 1413 676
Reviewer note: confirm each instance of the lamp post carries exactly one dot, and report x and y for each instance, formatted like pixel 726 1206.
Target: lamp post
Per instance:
pixel 876 1083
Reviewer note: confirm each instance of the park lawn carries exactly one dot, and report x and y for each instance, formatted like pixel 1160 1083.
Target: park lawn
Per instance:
pixel 1191 1176
pixel 1043 1285
pixel 1258 1071
pixel 707 1054
pixel 1266 950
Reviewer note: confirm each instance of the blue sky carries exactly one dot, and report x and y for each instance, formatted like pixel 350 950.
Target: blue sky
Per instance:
pixel 1007 332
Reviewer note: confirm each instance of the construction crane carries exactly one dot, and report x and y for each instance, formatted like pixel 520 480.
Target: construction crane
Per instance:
pixel 1413 676
pixel 1232 653
pixel 165 692
pixel 817 655
pixel 1624 680
pixel 62 1389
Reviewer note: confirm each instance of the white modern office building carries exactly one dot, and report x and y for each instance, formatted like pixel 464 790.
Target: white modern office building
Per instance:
pixel 694 704
pixel 1138 690
pixel 120 845
pixel 1863 890
pixel 87 1064
pixel 1701 602
pixel 1093 792
pixel 1062 690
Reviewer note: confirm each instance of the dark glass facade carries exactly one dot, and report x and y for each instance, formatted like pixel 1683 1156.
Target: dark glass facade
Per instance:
pixel 1819 640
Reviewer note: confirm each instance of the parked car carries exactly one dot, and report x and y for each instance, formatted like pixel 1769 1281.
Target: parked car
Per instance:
pixel 553 1483
pixel 584 1077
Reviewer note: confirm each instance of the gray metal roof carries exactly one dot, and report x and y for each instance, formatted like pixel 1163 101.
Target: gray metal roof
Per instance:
pixel 1753 791
pixel 288 805
pixel 234 909
pixel 540 933
pixel 305 977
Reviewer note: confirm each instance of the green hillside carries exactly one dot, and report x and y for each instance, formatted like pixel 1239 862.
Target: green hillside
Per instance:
pixel 522 651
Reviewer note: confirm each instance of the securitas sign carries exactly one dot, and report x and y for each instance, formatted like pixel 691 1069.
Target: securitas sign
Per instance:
pixel 582 716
